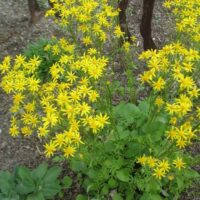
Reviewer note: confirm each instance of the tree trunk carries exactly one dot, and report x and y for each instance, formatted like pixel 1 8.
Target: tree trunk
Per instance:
pixel 33 8
pixel 122 5
pixel 145 26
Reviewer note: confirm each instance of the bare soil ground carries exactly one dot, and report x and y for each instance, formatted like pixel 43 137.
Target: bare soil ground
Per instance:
pixel 16 34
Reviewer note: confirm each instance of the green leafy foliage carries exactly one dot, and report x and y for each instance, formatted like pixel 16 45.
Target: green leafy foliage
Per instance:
pixel 47 59
pixel 110 163
pixel 39 184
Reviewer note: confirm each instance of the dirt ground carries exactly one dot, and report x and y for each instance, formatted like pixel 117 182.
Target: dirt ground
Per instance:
pixel 16 33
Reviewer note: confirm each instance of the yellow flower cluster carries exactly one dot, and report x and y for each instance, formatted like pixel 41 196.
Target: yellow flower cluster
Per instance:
pixel 172 69
pixel 187 15
pixel 60 109
pixel 161 168
pixel 182 135
pixel 88 20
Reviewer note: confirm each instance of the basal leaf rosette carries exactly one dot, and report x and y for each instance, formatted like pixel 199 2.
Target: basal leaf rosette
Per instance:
pixel 62 109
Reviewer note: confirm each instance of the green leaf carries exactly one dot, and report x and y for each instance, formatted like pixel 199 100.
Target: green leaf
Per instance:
pixel 40 171
pixel 109 147
pixel 77 165
pixel 127 111
pixel 155 130
pixel 5 182
pixel 25 182
pixel 25 187
pixel 14 197
pixel 117 197
pixel 150 196
pixel 51 175
pixel 123 175
pixel 153 185
pixel 36 196
pixel 49 190
pixel 105 190
pixel 92 173
pixel 81 197
pixel 67 182
pixel 133 150
pixel 112 183
pixel 24 173
pixel 180 183
pixel 144 106
pixel 117 164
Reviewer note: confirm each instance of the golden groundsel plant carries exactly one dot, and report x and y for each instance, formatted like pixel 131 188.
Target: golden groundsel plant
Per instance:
pixel 60 109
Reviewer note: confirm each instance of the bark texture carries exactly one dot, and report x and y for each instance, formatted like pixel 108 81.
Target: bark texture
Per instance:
pixel 145 26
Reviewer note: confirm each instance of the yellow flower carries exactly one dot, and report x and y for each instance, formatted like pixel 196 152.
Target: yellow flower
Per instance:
pixel 14 131
pixel 87 41
pixel 32 64
pixel 102 120
pixel 69 151
pixel 118 33
pixel 71 77
pixel 50 149
pixel 151 161
pixel 43 131
pixel 172 108
pixel 33 84
pixel 186 82
pixel 164 165
pixel 172 134
pixel 159 101
pixel 51 119
pixel 178 162
pixel 84 109
pixel 93 95
pixel 142 160
pixel 181 143
pixel 159 84
pixel 18 98
pixel 170 177
pixel 26 131
pixel 19 61
pixel 159 173
pixel 76 139
pixel 29 107
pixel 59 140
pixel 173 120
pixel 194 92
pixel 126 46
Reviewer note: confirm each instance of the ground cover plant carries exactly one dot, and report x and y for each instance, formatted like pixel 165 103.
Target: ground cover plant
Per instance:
pixel 63 92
